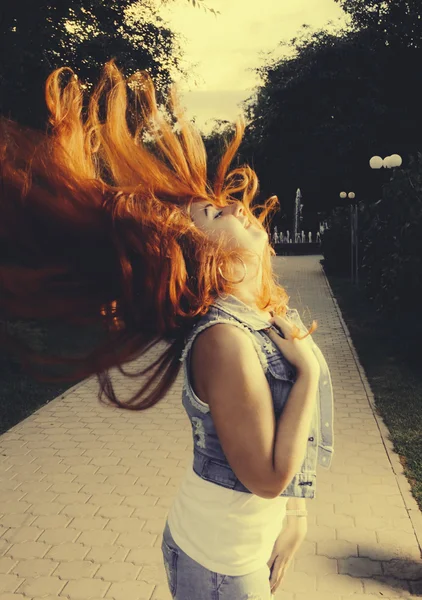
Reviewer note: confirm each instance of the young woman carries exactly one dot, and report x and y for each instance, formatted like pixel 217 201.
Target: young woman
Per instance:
pixel 109 219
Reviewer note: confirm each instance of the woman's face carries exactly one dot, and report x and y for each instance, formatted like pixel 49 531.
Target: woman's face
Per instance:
pixel 230 221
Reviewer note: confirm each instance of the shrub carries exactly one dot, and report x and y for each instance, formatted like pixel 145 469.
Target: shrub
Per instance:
pixel 335 242
pixel 392 243
pixel 29 331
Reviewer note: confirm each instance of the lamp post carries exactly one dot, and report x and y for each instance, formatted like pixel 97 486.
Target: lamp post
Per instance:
pixel 354 271
pixel 389 162
pixel 297 214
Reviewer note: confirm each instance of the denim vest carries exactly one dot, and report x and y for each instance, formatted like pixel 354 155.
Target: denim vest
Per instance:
pixel 209 460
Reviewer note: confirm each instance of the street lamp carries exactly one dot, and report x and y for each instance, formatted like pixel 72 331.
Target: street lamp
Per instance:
pixel 388 162
pixel 354 272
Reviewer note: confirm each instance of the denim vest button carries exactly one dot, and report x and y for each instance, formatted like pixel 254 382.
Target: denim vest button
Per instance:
pixel 311 439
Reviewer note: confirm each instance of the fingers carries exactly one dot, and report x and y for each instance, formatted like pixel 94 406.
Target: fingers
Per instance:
pixel 274 337
pixel 274 585
pixel 281 321
pixel 291 330
pixel 283 325
pixel 277 575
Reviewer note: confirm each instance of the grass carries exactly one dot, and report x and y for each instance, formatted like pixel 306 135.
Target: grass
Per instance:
pixel 389 351
pixel 21 395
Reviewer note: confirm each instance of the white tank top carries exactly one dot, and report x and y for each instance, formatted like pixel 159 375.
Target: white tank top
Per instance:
pixel 225 531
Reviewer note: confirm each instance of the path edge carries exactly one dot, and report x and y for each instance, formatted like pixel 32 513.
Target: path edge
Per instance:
pixel 410 503
pixel 46 405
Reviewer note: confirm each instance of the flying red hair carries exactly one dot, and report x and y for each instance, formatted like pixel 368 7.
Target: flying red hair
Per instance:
pixel 95 227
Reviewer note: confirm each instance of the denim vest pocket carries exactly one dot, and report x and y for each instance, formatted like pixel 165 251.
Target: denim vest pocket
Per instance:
pixel 215 471
pixel 280 368
pixel 281 376
pixel 303 485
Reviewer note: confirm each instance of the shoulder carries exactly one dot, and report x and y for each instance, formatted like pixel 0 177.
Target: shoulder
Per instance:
pixel 219 337
pixel 221 354
pixel 224 346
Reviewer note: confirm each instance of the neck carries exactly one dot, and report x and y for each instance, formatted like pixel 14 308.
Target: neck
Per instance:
pixel 249 289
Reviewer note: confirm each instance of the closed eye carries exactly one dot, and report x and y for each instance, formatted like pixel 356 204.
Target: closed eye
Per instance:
pixel 220 212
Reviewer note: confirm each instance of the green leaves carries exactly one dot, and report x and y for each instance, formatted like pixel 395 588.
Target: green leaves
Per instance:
pixel 390 243
pixel 200 4
pixel 321 113
pixel 38 37
pixel 396 22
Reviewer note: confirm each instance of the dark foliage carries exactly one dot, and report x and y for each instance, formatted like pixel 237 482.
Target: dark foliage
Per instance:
pixel 38 37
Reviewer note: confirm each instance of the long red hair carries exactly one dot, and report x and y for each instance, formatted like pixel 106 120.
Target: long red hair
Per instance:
pixel 94 227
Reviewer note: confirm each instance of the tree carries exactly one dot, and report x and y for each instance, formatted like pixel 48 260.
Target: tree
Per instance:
pixel 396 22
pixel 215 144
pixel 83 34
pixel 201 4
pixel 392 245
pixel 320 115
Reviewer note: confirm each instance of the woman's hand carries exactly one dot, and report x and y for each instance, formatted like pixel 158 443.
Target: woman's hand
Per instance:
pixel 298 352
pixel 285 547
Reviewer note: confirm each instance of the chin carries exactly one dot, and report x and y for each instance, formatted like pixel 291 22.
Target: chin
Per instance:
pixel 256 228
pixel 261 233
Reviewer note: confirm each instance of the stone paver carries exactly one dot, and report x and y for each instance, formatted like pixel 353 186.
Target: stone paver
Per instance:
pixel 85 488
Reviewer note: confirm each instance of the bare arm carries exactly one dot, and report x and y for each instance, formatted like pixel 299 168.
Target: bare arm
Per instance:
pixel 230 379
pixel 294 504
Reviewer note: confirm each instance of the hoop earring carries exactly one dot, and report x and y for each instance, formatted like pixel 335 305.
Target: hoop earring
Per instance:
pixel 240 280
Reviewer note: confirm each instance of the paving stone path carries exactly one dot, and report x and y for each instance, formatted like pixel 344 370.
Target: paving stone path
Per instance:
pixel 85 489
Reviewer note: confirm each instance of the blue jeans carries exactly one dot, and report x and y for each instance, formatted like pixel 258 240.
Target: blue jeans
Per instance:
pixel 188 580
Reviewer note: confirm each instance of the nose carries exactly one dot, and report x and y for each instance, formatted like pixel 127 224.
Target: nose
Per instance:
pixel 238 209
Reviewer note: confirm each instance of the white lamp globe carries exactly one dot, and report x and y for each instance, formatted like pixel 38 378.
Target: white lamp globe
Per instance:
pixel 351 195
pixel 395 160
pixel 343 195
pixel 387 162
pixel 376 162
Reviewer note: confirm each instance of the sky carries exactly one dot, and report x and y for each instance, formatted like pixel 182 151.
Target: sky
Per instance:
pixel 221 52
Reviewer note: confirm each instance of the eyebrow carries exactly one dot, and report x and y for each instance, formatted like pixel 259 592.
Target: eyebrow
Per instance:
pixel 205 208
